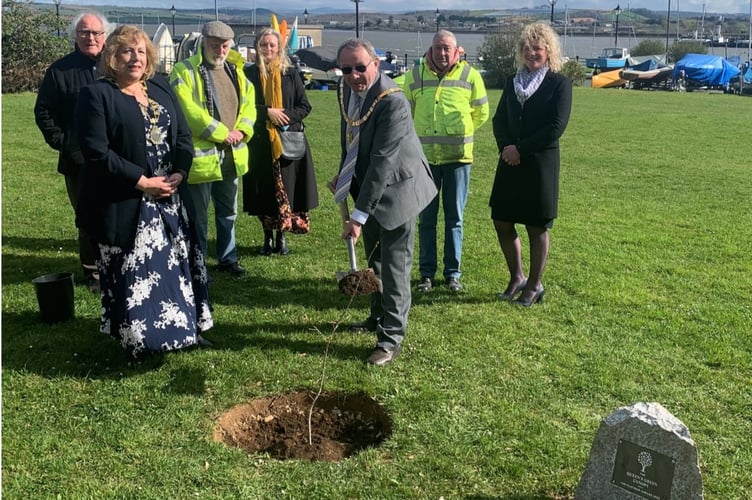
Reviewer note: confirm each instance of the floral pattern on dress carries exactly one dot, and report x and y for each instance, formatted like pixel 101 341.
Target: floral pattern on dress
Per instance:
pixel 155 295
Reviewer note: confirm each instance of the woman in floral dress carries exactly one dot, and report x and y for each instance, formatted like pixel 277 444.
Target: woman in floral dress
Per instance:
pixel 280 191
pixel 138 150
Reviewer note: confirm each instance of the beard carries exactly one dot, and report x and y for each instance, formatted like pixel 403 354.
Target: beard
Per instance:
pixel 215 61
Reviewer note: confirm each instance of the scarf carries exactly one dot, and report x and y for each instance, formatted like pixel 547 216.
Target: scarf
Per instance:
pixel 527 82
pixel 271 83
pixel 432 65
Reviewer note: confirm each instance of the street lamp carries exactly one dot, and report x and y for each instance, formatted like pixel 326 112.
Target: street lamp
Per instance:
pixel 57 14
pixel 173 12
pixel 437 15
pixel 668 23
pixel 552 2
pixel 617 11
pixel 357 18
pixel 305 16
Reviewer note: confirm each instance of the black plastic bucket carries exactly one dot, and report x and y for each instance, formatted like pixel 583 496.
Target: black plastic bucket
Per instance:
pixel 55 296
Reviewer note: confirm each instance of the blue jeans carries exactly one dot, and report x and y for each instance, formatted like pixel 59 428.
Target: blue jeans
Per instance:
pixel 224 194
pixel 454 178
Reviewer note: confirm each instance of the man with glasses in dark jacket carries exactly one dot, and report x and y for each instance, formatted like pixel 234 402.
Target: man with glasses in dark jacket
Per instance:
pixel 55 118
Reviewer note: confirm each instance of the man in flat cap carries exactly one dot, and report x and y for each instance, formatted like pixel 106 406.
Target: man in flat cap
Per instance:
pixel 219 104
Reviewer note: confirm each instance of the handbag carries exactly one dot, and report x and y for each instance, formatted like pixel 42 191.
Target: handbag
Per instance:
pixel 293 144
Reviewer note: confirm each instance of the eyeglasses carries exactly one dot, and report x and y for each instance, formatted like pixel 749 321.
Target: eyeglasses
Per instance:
pixel 88 33
pixel 361 68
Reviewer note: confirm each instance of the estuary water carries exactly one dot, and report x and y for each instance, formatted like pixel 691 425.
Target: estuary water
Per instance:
pixel 416 43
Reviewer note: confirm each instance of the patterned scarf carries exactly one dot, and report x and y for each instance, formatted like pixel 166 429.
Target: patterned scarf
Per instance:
pixel 527 82
pixel 441 72
pixel 271 82
pixel 208 89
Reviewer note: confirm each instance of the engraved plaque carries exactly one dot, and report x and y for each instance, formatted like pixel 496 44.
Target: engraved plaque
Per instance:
pixel 643 471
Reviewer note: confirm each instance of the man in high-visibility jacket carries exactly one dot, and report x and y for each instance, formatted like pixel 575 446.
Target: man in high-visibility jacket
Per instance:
pixel 219 104
pixel 449 102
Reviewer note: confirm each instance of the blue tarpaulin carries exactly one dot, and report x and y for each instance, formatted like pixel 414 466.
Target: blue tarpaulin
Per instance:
pixel 706 69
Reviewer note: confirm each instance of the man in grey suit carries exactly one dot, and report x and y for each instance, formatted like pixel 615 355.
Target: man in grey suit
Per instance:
pixel 384 169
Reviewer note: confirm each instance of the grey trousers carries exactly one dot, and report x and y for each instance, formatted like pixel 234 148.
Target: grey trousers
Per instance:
pixel 390 254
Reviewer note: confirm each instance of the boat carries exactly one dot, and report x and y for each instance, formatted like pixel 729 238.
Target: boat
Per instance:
pixel 647 73
pixel 610 58
pixel 655 75
pixel 705 71
pixel 608 79
pixel 165 49
pixel 321 63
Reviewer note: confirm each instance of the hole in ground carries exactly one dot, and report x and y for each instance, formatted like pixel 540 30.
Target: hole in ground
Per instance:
pixel 341 425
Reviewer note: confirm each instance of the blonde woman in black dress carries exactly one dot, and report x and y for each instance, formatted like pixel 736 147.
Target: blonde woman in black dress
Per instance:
pixel 531 116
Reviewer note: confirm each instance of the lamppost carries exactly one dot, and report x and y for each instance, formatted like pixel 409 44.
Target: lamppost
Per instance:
pixel 357 18
pixel 305 16
pixel 173 12
pixel 57 14
pixel 437 15
pixel 552 2
pixel 668 23
pixel 617 11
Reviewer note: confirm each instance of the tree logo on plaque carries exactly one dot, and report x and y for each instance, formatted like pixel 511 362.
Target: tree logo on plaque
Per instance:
pixel 645 460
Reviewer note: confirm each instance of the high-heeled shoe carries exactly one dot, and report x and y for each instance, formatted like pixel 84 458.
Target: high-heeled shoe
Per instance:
pixel 537 297
pixel 268 247
pixel 511 295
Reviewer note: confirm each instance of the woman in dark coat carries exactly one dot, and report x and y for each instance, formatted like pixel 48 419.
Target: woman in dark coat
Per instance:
pixel 137 150
pixel 279 191
pixel 532 115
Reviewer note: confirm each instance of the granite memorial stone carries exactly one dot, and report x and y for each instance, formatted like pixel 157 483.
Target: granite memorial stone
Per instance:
pixel 641 451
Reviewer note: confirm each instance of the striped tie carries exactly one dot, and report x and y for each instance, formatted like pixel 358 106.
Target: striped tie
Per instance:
pixel 348 167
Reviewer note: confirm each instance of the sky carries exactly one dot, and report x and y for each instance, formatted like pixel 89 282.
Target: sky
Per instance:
pixel 397 6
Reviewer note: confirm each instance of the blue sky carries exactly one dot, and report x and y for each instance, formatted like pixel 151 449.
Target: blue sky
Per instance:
pixel 396 6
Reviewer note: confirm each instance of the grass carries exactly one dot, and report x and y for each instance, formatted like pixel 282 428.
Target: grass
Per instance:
pixel 649 295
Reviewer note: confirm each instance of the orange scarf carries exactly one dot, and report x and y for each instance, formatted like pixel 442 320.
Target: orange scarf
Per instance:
pixel 272 86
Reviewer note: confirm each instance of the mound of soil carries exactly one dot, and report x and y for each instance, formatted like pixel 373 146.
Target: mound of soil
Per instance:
pixel 363 282
pixel 341 425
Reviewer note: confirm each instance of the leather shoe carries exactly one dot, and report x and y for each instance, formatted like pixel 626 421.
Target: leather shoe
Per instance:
pixel 268 247
pixel 512 294
pixel 369 325
pixel 381 356
pixel 232 268
pixel 280 245
pixel 425 284
pixel 92 283
pixel 536 298
pixel 453 284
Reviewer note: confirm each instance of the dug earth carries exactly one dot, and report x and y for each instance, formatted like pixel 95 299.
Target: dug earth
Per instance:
pixel 300 425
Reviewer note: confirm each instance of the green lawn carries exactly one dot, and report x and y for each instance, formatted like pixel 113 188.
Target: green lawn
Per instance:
pixel 649 298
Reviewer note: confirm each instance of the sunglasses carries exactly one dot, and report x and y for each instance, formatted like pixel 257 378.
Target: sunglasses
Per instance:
pixel 361 68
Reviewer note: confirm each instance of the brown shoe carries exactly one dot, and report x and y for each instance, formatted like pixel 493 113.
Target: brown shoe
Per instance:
pixel 381 357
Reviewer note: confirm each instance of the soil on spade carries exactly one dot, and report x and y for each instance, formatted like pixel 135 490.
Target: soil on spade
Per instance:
pixel 341 426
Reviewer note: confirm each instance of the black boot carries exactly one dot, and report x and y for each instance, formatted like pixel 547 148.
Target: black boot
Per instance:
pixel 280 246
pixel 268 247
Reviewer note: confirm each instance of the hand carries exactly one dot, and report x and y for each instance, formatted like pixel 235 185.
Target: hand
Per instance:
pixel 511 155
pixel 159 187
pixel 278 117
pixel 352 230
pixel 175 179
pixel 234 137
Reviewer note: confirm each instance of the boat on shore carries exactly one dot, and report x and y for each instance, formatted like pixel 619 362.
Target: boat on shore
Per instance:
pixel 610 58
pixel 608 79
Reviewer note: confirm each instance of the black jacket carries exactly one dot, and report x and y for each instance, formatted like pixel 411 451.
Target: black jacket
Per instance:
pixel 56 103
pixel 113 142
